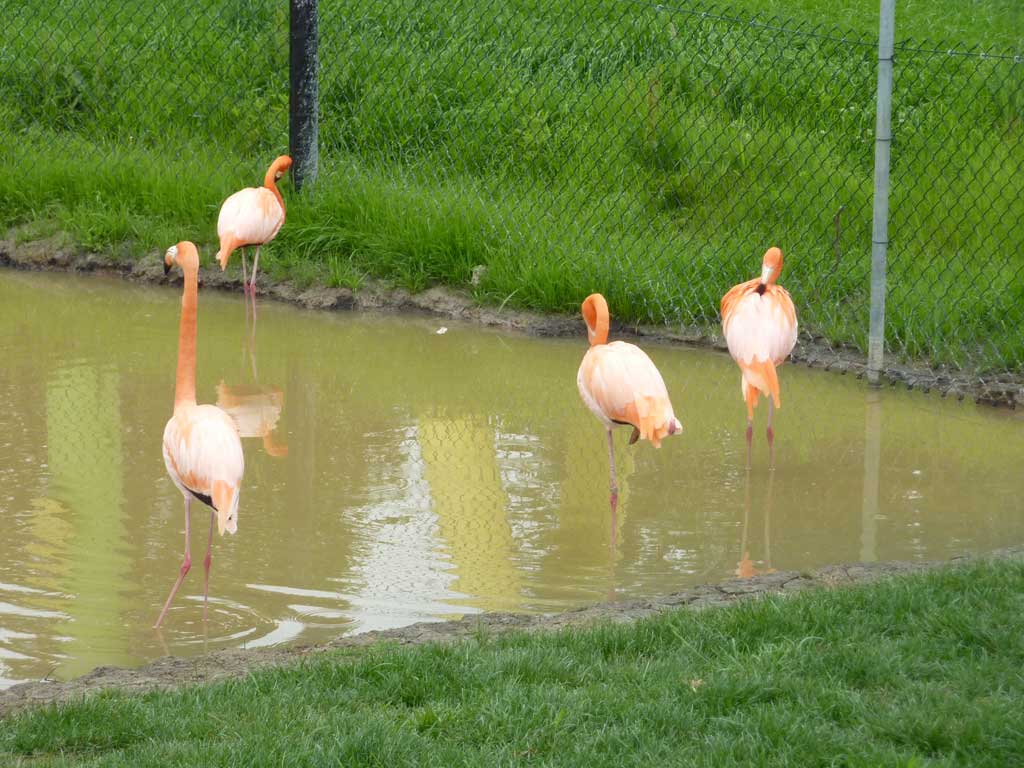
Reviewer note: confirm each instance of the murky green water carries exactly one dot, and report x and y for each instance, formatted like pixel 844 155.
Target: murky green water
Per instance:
pixel 396 475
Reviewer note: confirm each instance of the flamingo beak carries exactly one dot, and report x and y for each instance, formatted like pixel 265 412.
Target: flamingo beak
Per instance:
pixel 766 273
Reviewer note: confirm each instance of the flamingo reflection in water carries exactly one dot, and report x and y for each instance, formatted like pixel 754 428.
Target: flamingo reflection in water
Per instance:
pixel 201 446
pixel 746 568
pixel 254 407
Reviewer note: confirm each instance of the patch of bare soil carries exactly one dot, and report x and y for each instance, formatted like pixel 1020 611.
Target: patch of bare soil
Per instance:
pixel 173 672
pixel 57 254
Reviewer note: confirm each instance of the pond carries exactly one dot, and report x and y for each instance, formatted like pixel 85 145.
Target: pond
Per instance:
pixel 396 474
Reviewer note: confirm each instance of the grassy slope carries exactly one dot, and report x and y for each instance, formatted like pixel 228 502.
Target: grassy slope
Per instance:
pixel 588 145
pixel 996 26
pixel 922 671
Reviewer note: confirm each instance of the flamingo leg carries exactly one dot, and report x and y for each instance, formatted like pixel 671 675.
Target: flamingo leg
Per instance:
pixel 750 395
pixel 206 564
pixel 245 278
pixel 612 541
pixel 771 435
pixel 614 498
pixel 186 563
pixel 255 261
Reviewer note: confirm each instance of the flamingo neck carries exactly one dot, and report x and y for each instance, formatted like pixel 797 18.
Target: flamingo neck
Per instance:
pixel 271 183
pixel 185 385
pixel 598 331
pixel 595 312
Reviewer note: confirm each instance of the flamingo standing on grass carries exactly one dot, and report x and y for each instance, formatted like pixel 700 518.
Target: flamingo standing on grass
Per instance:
pixel 252 216
pixel 759 323
pixel 620 384
pixel 202 449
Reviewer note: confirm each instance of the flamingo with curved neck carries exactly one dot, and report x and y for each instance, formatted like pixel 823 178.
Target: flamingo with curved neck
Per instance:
pixel 621 386
pixel 760 327
pixel 252 216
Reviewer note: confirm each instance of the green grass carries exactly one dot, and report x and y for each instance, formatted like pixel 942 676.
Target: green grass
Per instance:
pixel 570 147
pixel 919 671
pixel 992 25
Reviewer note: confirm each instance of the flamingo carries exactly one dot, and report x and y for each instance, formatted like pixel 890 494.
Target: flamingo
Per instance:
pixel 252 216
pixel 255 410
pixel 759 323
pixel 202 449
pixel 620 385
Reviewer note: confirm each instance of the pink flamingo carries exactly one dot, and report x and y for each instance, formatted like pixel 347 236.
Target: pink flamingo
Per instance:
pixel 252 216
pixel 202 449
pixel 620 385
pixel 759 323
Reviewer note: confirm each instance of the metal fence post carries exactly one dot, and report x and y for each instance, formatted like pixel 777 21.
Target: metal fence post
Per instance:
pixel 880 217
pixel 303 102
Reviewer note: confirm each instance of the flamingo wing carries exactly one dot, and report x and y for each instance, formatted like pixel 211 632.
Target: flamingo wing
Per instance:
pixel 759 327
pixel 251 216
pixel 621 384
pixel 203 454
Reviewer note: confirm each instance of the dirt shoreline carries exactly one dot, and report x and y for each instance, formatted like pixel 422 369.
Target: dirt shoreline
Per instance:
pixel 173 672
pixel 53 254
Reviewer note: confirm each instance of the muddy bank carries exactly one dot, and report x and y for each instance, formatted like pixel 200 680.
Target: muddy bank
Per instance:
pixel 54 254
pixel 171 672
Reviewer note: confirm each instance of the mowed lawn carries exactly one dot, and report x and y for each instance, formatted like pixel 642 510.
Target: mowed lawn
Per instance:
pixel 925 670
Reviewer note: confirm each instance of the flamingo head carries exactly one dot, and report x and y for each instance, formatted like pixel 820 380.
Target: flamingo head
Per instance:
pixel 771 266
pixel 278 167
pixel 227 520
pixel 595 313
pixel 184 254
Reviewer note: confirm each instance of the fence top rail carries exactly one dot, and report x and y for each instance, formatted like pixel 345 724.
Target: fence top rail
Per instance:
pixel 826 32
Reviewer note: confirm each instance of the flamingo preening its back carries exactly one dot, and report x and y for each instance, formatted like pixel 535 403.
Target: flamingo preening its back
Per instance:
pixel 760 327
pixel 620 384
pixel 202 449
pixel 252 216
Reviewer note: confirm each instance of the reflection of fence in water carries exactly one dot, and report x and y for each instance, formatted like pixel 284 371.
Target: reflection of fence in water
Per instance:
pixel 83 434
pixel 467 496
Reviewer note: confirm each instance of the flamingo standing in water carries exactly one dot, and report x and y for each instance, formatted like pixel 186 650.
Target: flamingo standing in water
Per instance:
pixel 620 384
pixel 252 216
pixel 202 449
pixel 759 323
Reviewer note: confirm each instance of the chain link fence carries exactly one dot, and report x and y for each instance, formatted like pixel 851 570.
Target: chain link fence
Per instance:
pixel 647 151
